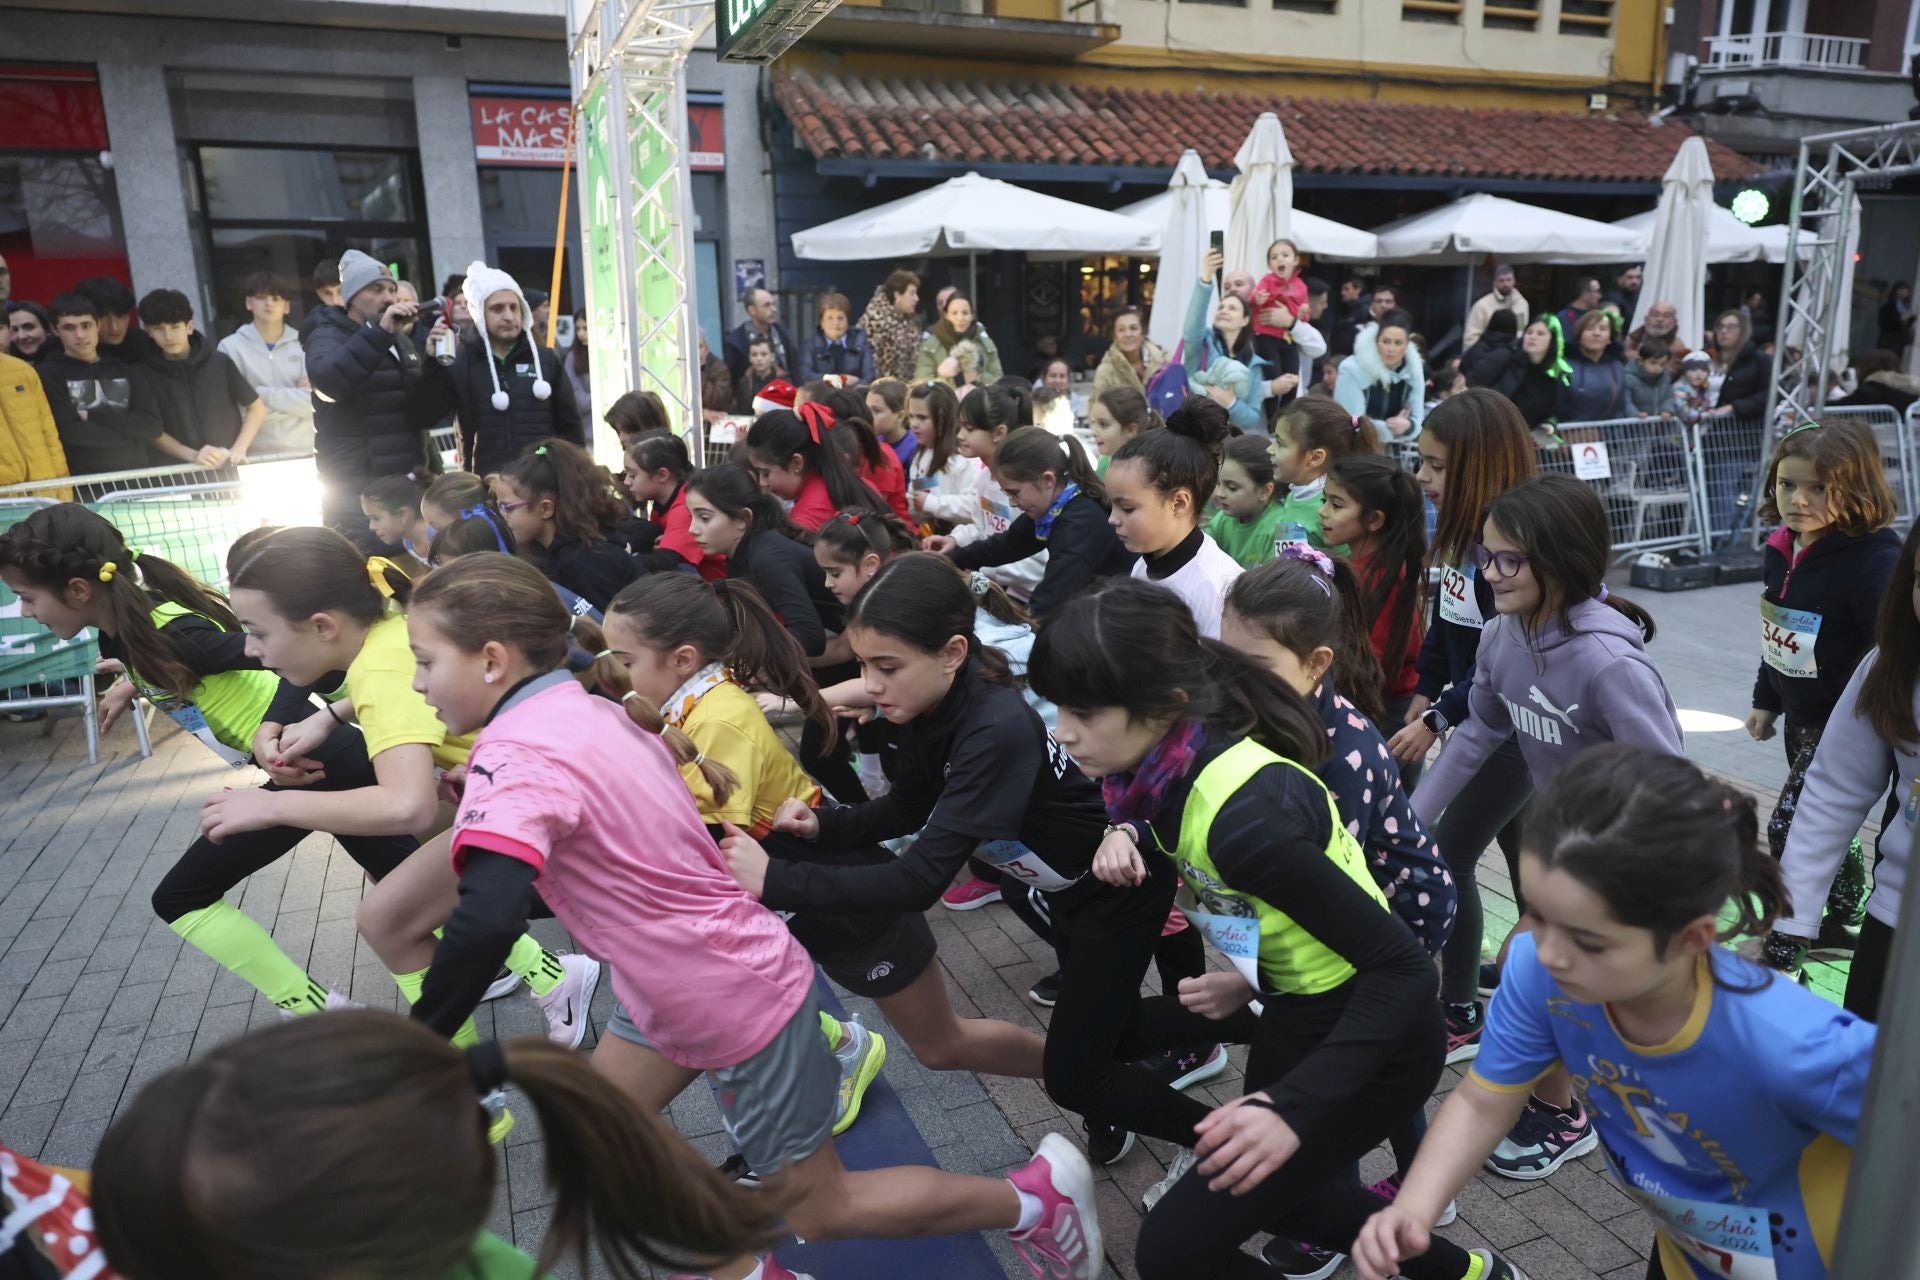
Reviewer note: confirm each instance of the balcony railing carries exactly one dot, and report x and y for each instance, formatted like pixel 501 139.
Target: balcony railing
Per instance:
pixel 1785 49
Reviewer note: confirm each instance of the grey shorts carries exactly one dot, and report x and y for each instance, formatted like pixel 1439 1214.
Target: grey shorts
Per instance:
pixel 779 1105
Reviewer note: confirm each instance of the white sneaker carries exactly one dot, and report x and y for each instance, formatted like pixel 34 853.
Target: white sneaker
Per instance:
pixel 502 985
pixel 567 1004
pixel 1182 1162
pixel 335 1002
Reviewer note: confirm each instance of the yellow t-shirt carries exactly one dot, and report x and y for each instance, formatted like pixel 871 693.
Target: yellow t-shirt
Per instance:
pixel 730 729
pixel 391 714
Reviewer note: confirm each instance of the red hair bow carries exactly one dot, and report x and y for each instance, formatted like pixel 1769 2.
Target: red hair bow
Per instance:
pixel 817 417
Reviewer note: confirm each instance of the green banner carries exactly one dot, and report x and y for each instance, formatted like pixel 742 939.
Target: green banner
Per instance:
pixel 656 171
pixel 599 218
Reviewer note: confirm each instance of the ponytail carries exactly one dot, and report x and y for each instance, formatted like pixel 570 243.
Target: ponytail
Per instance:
pixel 1315 422
pixel 782 434
pixel 1398 569
pixel 852 535
pixel 1306 600
pixel 1031 452
pixel 992 598
pixel 734 492
pixel 584 503
pixel 306 570
pixel 720 780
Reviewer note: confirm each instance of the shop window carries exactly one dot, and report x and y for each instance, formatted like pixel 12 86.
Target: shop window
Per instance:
pixel 59 222
pixel 262 183
pixel 1586 17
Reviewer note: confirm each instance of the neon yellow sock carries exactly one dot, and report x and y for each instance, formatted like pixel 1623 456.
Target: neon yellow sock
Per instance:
pixel 539 966
pixel 410 984
pixel 830 1027
pixel 242 947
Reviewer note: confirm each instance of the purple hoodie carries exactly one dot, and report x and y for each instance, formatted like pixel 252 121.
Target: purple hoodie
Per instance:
pixel 1569 689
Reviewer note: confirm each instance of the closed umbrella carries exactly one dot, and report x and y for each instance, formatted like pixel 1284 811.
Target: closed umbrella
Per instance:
pixel 1260 202
pixel 1182 243
pixel 1676 268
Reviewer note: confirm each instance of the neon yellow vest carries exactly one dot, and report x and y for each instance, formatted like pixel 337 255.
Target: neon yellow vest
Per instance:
pixel 1269 948
pixel 223 710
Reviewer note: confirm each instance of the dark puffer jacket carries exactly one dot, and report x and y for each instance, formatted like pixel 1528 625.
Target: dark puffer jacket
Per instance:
pixel 490 438
pixel 371 404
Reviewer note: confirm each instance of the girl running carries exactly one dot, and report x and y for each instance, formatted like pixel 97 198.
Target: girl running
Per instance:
pixel 707 979
pixel 1373 508
pixel 794 461
pixel 1115 416
pixel 311 605
pixel 281 1153
pixel 1310 435
pixel 978 771
pixel 1159 485
pixel 392 508
pixel 657 471
pixel 982 429
pixel 1869 752
pixel 1737 1151
pixel 1206 759
pixel 1247 524
pixel 1826 568
pixel 943 482
pixel 559 506
pixel 1563 668
pixel 1474 447
pixel 1063 511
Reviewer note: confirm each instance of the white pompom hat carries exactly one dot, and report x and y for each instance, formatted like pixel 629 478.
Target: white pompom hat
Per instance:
pixel 482 283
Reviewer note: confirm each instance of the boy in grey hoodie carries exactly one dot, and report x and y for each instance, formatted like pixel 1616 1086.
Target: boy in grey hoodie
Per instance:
pixel 270 357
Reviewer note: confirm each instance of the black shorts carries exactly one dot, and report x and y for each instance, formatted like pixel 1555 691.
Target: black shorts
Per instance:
pixel 870 954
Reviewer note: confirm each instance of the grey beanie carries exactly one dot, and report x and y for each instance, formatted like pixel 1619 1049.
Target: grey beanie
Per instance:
pixel 357 271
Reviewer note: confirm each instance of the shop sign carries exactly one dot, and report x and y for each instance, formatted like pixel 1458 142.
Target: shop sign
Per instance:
pixel 521 131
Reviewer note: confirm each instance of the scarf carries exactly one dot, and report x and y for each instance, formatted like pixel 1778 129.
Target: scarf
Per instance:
pixel 1044 525
pixel 679 706
pixel 1138 796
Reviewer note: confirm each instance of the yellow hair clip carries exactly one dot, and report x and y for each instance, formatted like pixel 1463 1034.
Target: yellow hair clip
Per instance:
pixel 107 571
pixel 376 574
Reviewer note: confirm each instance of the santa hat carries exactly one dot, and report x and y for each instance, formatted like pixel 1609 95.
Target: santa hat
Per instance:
pixel 777 394
pixel 482 283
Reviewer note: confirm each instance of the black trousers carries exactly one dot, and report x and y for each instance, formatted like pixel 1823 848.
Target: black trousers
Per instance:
pixel 1486 808
pixel 1176 955
pixel 1867 975
pixel 207 870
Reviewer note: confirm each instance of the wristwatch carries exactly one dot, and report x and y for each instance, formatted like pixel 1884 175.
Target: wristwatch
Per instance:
pixel 1435 722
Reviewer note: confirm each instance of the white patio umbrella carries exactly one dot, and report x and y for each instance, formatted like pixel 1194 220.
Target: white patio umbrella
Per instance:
pixel 1676 269
pixel 1321 237
pixel 1260 202
pixel 1476 226
pixel 972 214
pixel 1181 241
pixel 1728 238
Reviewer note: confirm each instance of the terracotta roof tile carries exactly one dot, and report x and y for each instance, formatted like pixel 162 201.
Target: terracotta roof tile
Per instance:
pixel 977 122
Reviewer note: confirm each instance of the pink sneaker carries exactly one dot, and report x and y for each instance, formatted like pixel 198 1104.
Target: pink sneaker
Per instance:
pixel 1389 1188
pixel 1065 1243
pixel 970 893
pixel 770 1269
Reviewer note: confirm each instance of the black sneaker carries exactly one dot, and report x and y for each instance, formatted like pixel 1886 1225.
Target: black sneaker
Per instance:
pixel 736 1168
pixel 1297 1261
pixel 1047 990
pixel 1489 977
pixel 1543 1139
pixel 1495 1267
pixel 1106 1144
pixel 1184 1068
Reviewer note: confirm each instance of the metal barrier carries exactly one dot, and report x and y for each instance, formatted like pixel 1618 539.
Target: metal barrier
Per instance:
pixel 1892 431
pixel 40 672
pixel 446 440
pixel 1643 472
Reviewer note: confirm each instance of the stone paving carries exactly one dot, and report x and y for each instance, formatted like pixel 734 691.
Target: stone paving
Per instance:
pixel 97 995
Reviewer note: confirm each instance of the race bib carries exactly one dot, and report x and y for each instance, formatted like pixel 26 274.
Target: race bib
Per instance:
pixel 1237 937
pixel 925 482
pixel 1730 1240
pixel 1014 859
pixel 188 717
pixel 1458 604
pixel 999 514
pixel 1787 638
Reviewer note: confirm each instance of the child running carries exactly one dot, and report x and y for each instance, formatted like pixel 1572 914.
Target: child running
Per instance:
pixel 1310 435
pixel 1736 1150
pixel 1870 753
pixel 986 420
pixel 1115 416
pixel 559 506
pixel 795 461
pixel 708 980
pixel 1063 511
pixel 1159 485
pixel 281 1154
pixel 1207 764
pixel 392 507
pixel 1826 568
pixel 1373 508
pixel 1563 667
pixel 657 471
pixel 1247 524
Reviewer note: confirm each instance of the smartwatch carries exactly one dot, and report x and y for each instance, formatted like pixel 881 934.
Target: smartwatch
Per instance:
pixel 1435 722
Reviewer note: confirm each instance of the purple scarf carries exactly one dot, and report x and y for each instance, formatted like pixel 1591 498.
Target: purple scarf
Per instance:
pixel 1137 796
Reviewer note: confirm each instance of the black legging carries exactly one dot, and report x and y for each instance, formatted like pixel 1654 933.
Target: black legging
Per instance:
pixel 1194 1233
pixel 1485 808
pixel 1176 955
pixel 207 870
pixel 1867 975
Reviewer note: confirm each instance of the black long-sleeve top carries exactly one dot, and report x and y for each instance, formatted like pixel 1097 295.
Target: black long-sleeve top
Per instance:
pixel 1082 546
pixel 1448 652
pixel 789 579
pixel 208 651
pixel 1839 579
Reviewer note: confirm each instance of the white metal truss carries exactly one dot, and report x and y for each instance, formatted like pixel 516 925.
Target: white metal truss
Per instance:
pixel 635 52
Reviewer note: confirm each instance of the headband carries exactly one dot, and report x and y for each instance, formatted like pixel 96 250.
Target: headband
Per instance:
pixel 487 1064
pixel 1805 426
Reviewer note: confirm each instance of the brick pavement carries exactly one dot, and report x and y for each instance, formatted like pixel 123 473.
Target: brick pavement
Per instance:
pixel 97 996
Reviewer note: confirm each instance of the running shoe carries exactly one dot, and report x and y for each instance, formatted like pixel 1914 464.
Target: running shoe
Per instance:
pixel 1489 977
pixel 770 1269
pixel 1463 1031
pixel 499 1119
pixel 1298 1261
pixel 1065 1243
pixel 1388 1189
pixel 970 894
pixel 1184 1068
pixel 567 1004
pixel 1543 1139
pixel 1106 1144
pixel 1046 991
pixel 860 1055
pixel 1183 1160
pixel 503 984
pixel 736 1169
pixel 335 1002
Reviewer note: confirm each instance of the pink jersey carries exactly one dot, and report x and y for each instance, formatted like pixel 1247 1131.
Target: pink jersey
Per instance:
pixel 1272 291
pixel 565 782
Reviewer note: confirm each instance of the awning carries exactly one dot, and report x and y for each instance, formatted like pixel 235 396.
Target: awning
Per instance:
pixel 972 214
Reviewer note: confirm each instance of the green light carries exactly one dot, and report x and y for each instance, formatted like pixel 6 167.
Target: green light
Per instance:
pixel 1751 205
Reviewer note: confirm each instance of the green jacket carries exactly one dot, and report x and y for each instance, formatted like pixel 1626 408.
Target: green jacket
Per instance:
pixel 1251 543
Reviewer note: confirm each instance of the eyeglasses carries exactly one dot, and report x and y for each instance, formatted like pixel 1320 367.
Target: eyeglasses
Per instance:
pixel 1508 563
pixel 508 508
